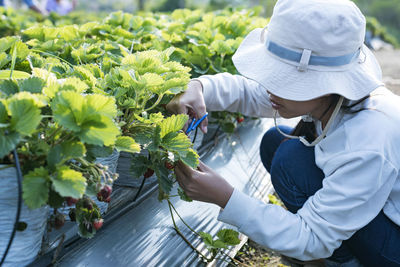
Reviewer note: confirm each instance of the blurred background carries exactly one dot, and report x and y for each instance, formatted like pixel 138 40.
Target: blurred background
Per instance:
pixel 386 12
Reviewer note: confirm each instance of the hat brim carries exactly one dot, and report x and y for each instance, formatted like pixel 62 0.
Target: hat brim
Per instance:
pixel 354 81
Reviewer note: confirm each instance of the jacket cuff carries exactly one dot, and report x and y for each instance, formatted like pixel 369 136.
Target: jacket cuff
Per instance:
pixel 207 88
pixel 238 209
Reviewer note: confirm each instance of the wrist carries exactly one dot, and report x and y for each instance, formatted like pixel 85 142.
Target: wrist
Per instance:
pixel 197 84
pixel 225 196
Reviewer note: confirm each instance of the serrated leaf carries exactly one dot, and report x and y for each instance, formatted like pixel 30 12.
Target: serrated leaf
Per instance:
pixel 69 183
pixel 74 84
pixel 86 117
pixel 25 113
pixel 22 50
pixel 68 110
pixel 35 186
pixel 126 143
pixel 101 104
pixel 183 195
pixel 207 239
pixel 172 124
pixel 8 142
pixel 139 165
pixel 155 139
pixel 229 237
pixel 164 180
pixel 191 158
pixel 100 135
pixel 8 87
pixel 32 85
pixel 180 144
pixel 68 150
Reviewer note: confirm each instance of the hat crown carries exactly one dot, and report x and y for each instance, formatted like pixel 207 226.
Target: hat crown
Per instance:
pixel 326 27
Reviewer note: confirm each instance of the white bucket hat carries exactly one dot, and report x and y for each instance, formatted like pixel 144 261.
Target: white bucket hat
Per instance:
pixel 311 48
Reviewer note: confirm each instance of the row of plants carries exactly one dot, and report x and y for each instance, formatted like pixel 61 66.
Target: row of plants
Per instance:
pixel 72 94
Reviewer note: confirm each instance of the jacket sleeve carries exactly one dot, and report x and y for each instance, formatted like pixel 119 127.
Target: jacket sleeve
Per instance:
pixel 235 93
pixel 350 198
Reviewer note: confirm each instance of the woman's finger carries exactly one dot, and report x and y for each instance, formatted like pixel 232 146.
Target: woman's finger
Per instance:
pixel 203 167
pixel 186 170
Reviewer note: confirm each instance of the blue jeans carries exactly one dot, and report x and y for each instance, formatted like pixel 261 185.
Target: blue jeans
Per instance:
pixel 296 177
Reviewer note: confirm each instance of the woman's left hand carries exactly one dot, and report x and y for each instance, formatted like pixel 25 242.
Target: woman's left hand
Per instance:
pixel 203 184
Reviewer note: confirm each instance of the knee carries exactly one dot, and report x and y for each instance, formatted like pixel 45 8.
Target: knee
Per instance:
pixel 270 143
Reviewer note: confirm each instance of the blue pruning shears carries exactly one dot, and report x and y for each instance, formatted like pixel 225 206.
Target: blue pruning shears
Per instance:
pixel 194 124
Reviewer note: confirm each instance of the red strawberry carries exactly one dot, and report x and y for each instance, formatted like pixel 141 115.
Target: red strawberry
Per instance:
pixel 104 193
pixel 71 201
pixel 148 173
pixel 97 224
pixel 169 165
pixel 239 119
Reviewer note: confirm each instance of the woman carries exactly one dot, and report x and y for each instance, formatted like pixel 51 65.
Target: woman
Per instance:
pixel 338 172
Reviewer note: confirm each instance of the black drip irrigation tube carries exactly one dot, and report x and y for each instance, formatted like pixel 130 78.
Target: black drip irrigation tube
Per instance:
pixel 19 180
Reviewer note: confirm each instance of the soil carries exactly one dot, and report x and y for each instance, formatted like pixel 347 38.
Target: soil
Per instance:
pixel 251 254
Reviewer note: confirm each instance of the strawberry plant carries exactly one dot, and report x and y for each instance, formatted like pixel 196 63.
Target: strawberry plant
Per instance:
pixel 57 130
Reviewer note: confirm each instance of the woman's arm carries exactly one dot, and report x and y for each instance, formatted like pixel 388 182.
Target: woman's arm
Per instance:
pixel 349 199
pixel 235 93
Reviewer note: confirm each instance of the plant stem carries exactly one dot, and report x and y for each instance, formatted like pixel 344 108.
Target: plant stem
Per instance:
pixel 156 103
pixel 190 228
pixel 183 237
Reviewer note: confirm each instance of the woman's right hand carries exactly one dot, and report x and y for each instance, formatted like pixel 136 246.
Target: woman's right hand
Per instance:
pixel 191 102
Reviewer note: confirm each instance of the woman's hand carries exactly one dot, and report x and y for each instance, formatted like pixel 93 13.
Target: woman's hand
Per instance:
pixel 191 102
pixel 203 184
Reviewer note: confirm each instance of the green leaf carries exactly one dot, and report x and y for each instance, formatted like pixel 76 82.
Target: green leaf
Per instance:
pixel 105 133
pixel 207 239
pixel 8 87
pixel 68 109
pixel 25 113
pixel 126 143
pixel 74 84
pixel 8 142
pixel 183 195
pixel 87 116
pixel 4 59
pixel 173 124
pixel 32 85
pixel 164 181
pixel 59 154
pixel 3 113
pixel 98 151
pixel 22 50
pixel 16 74
pixel 55 200
pixel 229 236
pixel 36 188
pixel 101 104
pixel 139 165
pixel 69 183
pixel 181 145
pixel 219 244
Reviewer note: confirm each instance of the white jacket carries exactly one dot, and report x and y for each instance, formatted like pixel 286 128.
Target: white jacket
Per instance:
pixel 360 157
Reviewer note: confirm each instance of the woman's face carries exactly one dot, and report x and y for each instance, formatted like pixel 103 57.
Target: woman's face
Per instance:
pixel 290 109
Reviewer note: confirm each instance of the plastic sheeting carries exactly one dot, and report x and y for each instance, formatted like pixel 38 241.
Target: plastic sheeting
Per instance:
pixel 26 244
pixel 144 235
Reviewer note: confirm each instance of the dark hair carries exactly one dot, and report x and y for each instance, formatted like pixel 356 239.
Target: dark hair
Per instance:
pixel 307 129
